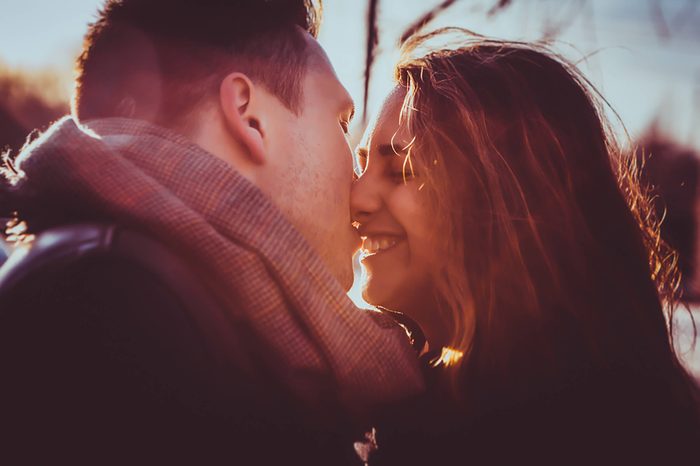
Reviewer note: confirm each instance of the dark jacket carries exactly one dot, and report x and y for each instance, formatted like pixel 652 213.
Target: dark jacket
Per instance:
pixel 110 353
pixel 606 418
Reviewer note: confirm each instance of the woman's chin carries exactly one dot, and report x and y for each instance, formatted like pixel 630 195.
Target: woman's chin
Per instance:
pixel 398 290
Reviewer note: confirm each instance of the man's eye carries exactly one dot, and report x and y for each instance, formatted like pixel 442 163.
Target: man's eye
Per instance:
pixel 346 126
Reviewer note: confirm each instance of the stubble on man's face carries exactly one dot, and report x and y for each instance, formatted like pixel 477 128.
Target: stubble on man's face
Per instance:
pixel 318 193
pixel 319 168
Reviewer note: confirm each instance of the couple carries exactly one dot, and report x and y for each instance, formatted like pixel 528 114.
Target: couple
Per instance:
pixel 184 242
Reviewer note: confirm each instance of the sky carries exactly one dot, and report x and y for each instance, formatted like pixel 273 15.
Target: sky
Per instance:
pixel 643 72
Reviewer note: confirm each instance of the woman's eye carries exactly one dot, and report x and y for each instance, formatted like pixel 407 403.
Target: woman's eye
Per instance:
pixel 400 176
pixel 345 126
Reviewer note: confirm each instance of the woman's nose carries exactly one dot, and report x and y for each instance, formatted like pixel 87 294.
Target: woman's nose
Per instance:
pixel 365 198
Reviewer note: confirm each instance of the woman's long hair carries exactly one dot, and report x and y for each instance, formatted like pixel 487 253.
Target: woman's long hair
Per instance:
pixel 557 268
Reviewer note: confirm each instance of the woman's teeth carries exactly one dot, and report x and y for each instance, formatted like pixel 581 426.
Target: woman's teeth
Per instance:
pixel 378 243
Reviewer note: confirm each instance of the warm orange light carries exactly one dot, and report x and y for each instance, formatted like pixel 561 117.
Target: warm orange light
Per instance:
pixel 449 357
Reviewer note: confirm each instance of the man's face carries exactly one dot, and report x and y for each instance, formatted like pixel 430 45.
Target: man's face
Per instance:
pixel 311 165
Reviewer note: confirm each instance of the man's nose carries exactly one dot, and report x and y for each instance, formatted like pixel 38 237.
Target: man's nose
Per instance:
pixel 365 198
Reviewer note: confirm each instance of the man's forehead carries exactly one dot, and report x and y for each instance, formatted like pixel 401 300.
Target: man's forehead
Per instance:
pixel 319 64
pixel 316 55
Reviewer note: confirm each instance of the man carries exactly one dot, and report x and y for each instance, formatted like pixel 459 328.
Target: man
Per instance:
pixel 183 245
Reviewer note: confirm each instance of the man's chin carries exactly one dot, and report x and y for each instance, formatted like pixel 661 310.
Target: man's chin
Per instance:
pixel 346 278
pixel 343 273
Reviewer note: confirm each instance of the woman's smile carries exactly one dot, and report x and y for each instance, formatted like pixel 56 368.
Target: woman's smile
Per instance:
pixel 379 243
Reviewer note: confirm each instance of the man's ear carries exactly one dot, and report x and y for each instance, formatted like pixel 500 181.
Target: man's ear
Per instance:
pixel 237 95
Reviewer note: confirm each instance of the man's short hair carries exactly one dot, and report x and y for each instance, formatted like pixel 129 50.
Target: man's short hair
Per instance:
pixel 160 59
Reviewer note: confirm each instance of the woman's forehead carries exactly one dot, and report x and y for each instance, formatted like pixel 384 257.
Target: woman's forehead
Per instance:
pixel 386 126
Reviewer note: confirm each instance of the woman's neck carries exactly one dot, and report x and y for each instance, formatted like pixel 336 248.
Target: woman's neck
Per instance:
pixel 431 316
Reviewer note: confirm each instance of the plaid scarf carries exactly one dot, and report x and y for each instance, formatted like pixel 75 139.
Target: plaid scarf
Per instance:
pixel 257 264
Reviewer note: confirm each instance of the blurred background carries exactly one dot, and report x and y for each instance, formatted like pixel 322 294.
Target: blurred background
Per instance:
pixel 642 55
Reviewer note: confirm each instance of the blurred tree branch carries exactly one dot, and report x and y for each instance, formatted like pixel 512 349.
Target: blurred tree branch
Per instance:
pixel 498 7
pixel 372 42
pixel 551 29
pixel 425 19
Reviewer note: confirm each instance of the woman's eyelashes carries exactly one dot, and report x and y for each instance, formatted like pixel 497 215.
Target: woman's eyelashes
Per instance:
pixel 400 170
pixel 345 125
pixel 397 169
pixel 399 177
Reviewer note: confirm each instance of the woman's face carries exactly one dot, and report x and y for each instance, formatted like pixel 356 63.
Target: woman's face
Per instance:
pixel 400 248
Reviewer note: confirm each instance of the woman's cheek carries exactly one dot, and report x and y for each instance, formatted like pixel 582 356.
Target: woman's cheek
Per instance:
pixel 409 207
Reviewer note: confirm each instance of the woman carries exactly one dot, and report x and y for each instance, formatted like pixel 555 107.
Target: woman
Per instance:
pixel 501 217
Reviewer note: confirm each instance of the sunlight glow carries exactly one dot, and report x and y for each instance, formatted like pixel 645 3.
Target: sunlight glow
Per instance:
pixel 360 272
pixel 448 357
